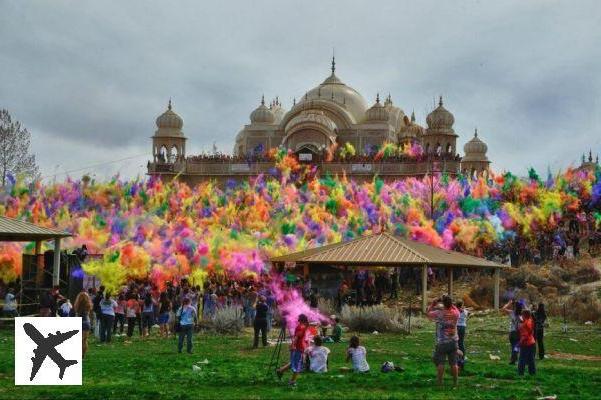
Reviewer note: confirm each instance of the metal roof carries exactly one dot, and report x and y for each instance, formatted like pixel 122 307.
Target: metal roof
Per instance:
pixel 385 249
pixel 13 230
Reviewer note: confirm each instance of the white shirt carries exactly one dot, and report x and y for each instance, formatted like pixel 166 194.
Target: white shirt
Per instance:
pixel 462 321
pixel 10 304
pixel 66 308
pixel 318 358
pixel 359 358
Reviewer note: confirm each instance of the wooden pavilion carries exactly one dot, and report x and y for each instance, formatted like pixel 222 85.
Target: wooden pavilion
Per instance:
pixel 12 230
pixel 388 250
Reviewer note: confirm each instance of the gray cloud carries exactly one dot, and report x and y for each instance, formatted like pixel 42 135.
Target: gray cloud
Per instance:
pixel 89 78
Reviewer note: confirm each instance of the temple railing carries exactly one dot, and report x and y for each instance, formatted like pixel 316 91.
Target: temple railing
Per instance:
pixel 240 168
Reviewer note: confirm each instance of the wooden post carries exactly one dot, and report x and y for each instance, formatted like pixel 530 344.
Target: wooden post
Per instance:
pixel 450 284
pixel 56 268
pixel 424 288
pixel 497 278
pixel 39 263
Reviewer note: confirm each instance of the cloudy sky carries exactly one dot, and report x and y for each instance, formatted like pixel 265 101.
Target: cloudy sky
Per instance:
pixel 88 78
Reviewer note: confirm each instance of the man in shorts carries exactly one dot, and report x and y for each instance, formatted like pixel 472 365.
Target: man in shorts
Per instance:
pixel 446 336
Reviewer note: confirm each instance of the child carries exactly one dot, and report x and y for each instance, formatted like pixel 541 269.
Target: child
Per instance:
pixel 336 331
pixel 461 328
pixel 297 349
pixel 318 356
pixel 357 355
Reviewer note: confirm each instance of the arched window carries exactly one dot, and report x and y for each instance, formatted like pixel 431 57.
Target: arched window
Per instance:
pixel 163 154
pixel 174 155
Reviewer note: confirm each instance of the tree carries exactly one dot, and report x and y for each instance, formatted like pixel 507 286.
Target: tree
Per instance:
pixel 15 158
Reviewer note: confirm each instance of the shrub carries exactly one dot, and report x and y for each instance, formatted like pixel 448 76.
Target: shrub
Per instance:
pixel 582 305
pixel 586 274
pixel 375 318
pixel 326 306
pixel 228 320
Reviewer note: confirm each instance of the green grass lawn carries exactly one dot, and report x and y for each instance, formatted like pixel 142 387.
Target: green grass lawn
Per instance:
pixel 151 369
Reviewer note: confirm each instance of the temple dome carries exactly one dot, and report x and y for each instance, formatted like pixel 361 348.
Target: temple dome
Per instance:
pixel 169 120
pixel 277 110
pixel 262 114
pixel 475 149
pixel 377 112
pixel 440 118
pixel 334 90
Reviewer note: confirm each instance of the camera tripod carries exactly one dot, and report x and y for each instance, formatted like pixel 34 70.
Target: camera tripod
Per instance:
pixel 274 361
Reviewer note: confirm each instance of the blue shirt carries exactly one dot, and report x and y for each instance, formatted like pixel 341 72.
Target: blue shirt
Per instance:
pixel 188 315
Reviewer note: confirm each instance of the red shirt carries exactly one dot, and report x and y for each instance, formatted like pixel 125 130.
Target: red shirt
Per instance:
pixel 300 341
pixel 526 330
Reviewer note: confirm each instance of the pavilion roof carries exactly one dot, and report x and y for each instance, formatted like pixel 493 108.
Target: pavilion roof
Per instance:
pixel 13 230
pixel 385 249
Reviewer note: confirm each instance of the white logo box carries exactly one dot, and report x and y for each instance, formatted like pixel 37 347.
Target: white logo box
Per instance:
pixel 53 342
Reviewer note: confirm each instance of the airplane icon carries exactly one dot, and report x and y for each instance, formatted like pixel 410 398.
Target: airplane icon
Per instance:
pixel 46 348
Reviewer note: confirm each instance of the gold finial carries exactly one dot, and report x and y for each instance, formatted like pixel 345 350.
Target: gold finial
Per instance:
pixel 169 105
pixel 412 116
pixel 475 132
pixel 440 101
pixel 263 100
pixel 378 98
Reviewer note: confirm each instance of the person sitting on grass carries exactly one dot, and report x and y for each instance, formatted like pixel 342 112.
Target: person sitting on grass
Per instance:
pixel 336 335
pixel 187 318
pixel 527 343
pixel 446 336
pixel 297 350
pixel 357 355
pixel 318 356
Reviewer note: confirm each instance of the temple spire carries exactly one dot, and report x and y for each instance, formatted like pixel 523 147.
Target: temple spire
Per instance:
pixel 169 105
pixel 590 155
pixel 378 98
pixel 476 132
pixel 440 101
pixel 263 100
pixel 412 116
pixel 333 62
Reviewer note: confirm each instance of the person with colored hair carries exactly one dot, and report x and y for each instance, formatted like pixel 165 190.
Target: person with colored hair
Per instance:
pixel 297 350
